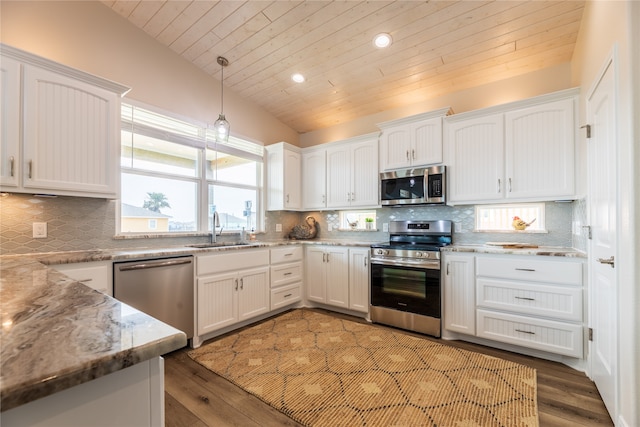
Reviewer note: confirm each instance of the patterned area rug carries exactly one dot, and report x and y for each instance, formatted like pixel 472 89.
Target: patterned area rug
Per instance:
pixel 324 371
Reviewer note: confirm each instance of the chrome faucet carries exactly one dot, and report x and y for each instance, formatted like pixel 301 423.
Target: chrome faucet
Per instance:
pixel 215 222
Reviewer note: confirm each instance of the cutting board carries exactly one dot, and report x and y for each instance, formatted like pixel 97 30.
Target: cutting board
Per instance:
pixel 511 245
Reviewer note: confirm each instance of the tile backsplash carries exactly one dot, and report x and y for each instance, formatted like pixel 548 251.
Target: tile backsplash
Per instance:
pixel 78 223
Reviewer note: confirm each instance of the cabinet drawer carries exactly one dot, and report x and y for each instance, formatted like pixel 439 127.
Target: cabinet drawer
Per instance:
pixel 545 335
pixel 94 275
pixel 286 295
pixel 560 302
pixel 231 261
pixel 286 254
pixel 286 273
pixel 533 270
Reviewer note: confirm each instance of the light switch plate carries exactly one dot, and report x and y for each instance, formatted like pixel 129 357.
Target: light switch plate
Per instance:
pixel 39 230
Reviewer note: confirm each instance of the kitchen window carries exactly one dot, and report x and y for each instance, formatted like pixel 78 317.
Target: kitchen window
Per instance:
pixel 502 218
pixel 174 176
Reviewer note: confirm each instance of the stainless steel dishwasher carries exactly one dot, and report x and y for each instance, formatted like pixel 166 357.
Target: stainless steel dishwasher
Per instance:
pixel 161 288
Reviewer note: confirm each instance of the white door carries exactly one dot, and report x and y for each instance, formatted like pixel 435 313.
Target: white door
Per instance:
pixel 603 293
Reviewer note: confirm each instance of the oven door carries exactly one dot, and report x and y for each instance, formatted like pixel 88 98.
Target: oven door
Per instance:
pixel 413 289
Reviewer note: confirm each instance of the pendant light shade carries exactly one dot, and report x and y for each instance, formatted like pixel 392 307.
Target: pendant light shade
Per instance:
pixel 221 126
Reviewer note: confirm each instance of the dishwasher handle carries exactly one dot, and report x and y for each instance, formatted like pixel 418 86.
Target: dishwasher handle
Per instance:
pixel 155 264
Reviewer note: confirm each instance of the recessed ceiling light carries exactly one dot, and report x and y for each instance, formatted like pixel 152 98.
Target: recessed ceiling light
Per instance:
pixel 382 40
pixel 297 77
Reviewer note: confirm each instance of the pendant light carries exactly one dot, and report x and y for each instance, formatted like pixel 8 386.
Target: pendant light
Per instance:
pixel 221 126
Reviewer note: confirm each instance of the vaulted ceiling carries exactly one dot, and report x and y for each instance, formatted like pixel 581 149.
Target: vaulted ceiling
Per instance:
pixel 438 47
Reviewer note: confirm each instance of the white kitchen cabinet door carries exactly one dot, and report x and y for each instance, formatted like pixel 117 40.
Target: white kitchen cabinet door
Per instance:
pixel 71 136
pixel 253 293
pixel 364 175
pixel 315 273
pixel 427 137
pixel 459 307
pixel 217 302
pixel 359 279
pixel 314 179
pixel 10 160
pixel 338 176
pixel 284 176
pixel 337 276
pixel 475 169
pixel 540 151
pixel 352 174
pixel 395 147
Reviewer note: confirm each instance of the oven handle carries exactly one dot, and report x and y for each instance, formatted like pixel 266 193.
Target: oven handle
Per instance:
pixel 428 265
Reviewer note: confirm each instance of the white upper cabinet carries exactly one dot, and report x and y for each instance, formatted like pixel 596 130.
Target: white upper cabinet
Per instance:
pixel 284 176
pixel 70 129
pixel 540 153
pixel 314 179
pixel 412 141
pixel 476 163
pixel 352 173
pixel 9 122
pixel 519 152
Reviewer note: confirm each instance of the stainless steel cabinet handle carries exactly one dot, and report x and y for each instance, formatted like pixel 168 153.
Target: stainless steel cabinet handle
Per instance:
pixel 526 299
pixel 327 257
pixel 413 154
pixel 11 163
pixel 236 284
pixel 289 254
pixel 154 264
pixel 366 261
pixel 499 186
pixel 288 273
pixel 525 269
pixel 241 283
pixel 30 167
pixel 610 261
pixel 509 185
pixel 324 199
pixel 287 198
pixel 525 332
pixel 288 295
pixel 85 280
pixel 407 154
pixel 447 269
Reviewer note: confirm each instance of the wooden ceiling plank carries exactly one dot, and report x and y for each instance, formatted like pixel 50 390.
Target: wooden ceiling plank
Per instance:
pixel 183 21
pixel 205 24
pixel 167 13
pixel 144 12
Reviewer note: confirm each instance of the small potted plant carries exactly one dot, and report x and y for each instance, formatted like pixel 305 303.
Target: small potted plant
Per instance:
pixel 369 223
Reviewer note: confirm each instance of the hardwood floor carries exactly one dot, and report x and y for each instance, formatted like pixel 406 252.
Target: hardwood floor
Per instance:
pixel 195 396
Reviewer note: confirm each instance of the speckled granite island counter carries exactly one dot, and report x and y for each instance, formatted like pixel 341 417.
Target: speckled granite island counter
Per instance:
pixel 59 337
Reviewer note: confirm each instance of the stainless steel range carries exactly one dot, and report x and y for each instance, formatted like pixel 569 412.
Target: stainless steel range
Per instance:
pixel 405 276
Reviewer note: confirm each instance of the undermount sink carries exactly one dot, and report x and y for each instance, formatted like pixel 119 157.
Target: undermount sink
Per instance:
pixel 217 244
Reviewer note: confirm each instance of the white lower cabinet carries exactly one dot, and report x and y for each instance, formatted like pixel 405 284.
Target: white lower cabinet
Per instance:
pixel 338 276
pixel 529 301
pixel 327 275
pixel 96 275
pixel 459 305
pixel 359 279
pixel 286 276
pixel 231 287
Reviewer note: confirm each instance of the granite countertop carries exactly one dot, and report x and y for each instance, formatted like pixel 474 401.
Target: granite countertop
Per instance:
pixel 495 249
pixel 58 333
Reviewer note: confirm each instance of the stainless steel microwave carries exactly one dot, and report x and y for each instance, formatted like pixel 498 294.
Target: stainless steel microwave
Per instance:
pixel 419 186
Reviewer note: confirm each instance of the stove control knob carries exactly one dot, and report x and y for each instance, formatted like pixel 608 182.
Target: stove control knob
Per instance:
pixel 381 252
pixel 418 254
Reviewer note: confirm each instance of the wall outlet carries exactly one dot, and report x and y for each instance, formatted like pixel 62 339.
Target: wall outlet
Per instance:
pixel 39 230
pixel 457 227
pixel 278 227
pixel 329 227
pixel 385 227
